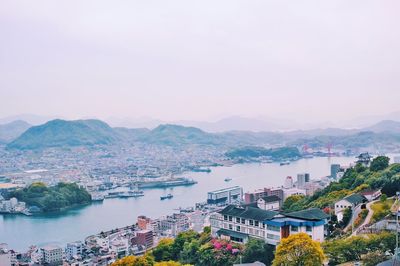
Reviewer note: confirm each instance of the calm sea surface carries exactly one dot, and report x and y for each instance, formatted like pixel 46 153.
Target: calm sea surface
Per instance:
pixel 22 231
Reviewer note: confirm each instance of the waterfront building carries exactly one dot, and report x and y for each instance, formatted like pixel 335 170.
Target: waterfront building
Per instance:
pixel 251 197
pixel 239 223
pixel 225 196
pixel 349 202
pixel 272 203
pixel 288 182
pixel 52 255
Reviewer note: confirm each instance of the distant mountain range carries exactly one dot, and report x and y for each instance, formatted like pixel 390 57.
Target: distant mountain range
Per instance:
pixel 61 133
pixel 12 130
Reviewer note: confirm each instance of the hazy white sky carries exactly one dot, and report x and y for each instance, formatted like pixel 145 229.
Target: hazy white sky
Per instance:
pixel 318 60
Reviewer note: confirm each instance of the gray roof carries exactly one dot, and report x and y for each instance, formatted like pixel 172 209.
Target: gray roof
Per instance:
pixel 355 199
pixel 248 212
pixel 272 198
pixel 309 214
pixel 257 263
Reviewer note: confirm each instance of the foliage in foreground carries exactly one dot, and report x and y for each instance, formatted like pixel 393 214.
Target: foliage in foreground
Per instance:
pixel 355 247
pixel 298 249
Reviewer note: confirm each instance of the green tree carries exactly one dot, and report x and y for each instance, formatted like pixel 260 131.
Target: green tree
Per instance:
pixel 180 240
pixel 258 250
pixel 298 250
pixel 288 203
pixel 379 163
pixel 347 213
pixel 163 251
pixel 190 252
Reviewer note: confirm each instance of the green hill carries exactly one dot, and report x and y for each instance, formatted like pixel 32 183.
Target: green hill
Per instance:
pixel 59 133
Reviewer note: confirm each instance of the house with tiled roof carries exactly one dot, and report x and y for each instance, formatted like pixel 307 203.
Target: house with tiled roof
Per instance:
pixel 348 202
pixel 272 203
pixel 239 223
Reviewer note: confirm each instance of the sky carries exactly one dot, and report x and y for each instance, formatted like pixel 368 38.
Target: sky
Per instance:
pixel 200 60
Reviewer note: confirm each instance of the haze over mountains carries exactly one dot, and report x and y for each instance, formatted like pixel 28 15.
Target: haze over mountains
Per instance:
pixel 63 133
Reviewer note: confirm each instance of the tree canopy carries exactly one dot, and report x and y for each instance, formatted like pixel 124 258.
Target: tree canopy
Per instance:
pixel 298 250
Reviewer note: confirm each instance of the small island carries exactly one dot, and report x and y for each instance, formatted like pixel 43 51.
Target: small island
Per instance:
pixel 40 198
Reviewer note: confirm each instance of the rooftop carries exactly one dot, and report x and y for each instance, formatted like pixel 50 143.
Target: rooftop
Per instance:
pixel 248 212
pixel 309 214
pixel 225 189
pixel 272 198
pixel 355 198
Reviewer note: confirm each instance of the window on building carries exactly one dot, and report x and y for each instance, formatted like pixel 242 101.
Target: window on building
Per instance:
pixel 295 228
pixel 251 222
pixel 225 217
pixel 230 218
pixel 308 228
pixel 243 221
pixel 238 228
pixel 230 227
pixel 237 219
pixel 256 223
pixel 273 228
pixel 263 225
pixel 272 236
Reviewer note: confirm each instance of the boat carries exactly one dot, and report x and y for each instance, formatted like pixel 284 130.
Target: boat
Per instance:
pixel 171 182
pixel 284 163
pixel 168 196
pixel 227 179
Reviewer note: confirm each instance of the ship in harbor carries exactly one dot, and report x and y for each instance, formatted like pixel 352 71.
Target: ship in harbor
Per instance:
pixel 164 183
pixel 168 196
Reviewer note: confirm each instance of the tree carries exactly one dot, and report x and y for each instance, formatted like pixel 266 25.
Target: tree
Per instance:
pixel 163 251
pixel 145 260
pixel 379 163
pixel 374 258
pixel 190 253
pixel 347 213
pixel 180 240
pixel 291 200
pixel 298 250
pixel 383 198
pixel 258 250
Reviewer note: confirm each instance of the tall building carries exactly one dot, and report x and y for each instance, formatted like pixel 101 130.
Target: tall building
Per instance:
pixel 288 182
pixel 143 222
pixel 302 179
pixel 5 258
pixel 335 168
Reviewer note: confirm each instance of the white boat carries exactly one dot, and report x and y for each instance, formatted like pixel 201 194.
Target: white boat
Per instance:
pixel 227 179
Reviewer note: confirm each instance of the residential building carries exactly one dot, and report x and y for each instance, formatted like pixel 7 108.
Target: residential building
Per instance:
pixel 251 197
pixel 143 222
pixel 74 249
pixel 143 238
pixel 5 258
pixel 173 224
pixel 52 255
pixel 293 191
pixel 371 194
pixel 349 202
pixel 225 196
pixel 272 203
pixel 239 223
